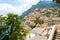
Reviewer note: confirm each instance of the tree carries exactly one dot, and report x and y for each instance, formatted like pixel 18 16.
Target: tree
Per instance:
pixel 39 21
pixel 17 31
pixel 47 14
pixel 3 25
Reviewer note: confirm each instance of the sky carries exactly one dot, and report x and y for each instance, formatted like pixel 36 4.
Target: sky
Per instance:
pixel 17 6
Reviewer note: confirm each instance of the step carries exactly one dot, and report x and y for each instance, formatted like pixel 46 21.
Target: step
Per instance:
pixel 58 36
pixel 57 39
pixel 58 33
pixel 58 30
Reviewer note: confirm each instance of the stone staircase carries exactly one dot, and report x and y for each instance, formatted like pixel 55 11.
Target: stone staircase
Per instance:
pixel 57 35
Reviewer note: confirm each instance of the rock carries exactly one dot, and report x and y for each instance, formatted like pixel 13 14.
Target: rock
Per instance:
pixel 38 26
pixel 45 33
pixel 28 28
pixel 45 25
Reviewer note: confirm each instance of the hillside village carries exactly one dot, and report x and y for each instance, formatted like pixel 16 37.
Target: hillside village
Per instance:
pixel 45 16
pixel 40 22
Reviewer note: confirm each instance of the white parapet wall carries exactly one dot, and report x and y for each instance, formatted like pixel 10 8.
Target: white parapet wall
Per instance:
pixel 52 32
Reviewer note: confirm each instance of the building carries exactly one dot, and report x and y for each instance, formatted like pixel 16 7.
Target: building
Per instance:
pixel 54 20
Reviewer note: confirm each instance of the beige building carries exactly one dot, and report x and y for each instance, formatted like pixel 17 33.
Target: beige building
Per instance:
pixel 54 20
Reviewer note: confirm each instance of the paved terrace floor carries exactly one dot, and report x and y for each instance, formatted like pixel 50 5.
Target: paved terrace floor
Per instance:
pixel 39 38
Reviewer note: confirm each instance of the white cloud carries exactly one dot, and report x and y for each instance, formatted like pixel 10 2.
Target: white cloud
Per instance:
pixel 4 7
pixel 29 1
pixel 48 0
pixel 45 0
pixel 23 8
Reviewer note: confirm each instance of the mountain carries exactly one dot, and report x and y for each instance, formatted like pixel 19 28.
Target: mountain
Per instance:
pixel 41 4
